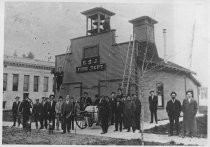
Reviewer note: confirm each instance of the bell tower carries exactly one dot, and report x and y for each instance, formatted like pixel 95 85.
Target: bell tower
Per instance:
pixel 97 20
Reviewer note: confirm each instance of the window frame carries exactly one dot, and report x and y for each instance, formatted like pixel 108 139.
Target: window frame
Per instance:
pixel 162 94
pixel 13 89
pixel 26 83
pixel 5 81
pixel 46 90
pixel 36 84
pixel 91 46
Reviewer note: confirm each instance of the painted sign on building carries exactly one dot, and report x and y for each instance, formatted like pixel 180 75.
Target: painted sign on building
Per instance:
pixel 90 65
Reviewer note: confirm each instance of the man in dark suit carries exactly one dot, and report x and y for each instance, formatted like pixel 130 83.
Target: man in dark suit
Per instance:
pixel 118 110
pixel 173 109
pixel 88 100
pixel 51 110
pixel 25 110
pixel 104 112
pixel 153 103
pixel 43 111
pixel 66 112
pixel 36 112
pixel 59 77
pixel 15 111
pixel 112 105
pixel 137 111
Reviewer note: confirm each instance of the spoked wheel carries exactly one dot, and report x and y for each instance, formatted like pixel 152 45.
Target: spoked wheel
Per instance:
pixel 80 116
pixel 80 121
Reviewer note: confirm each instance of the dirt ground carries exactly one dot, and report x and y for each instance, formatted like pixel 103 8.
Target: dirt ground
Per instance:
pixel 201 128
pixel 18 136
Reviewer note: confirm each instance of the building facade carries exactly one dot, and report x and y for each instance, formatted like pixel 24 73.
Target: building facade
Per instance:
pixel 23 76
pixel 96 64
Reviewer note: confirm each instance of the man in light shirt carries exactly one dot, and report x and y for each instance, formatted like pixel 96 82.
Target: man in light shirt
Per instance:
pixel 58 111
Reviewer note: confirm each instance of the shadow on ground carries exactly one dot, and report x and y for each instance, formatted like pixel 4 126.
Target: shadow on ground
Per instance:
pixel 201 127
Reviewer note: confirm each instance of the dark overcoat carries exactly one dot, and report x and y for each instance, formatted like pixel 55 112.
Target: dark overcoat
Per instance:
pixel 129 110
pixel 15 107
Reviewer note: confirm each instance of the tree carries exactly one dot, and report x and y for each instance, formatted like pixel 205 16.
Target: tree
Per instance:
pixel 30 55
pixel 24 55
pixel 15 54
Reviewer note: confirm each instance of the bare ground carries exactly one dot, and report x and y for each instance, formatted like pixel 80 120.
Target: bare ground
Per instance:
pixel 18 136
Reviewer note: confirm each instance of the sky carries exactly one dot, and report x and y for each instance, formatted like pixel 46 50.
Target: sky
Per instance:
pixel 45 28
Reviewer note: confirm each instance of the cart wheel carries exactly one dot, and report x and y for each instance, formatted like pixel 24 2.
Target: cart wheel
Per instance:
pixel 80 121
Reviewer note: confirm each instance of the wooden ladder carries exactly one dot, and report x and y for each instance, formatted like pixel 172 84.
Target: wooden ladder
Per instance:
pixel 128 67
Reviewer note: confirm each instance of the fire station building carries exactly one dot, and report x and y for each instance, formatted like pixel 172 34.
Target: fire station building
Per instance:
pixel 96 63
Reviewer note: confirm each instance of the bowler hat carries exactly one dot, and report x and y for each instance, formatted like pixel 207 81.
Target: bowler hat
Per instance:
pixel 17 97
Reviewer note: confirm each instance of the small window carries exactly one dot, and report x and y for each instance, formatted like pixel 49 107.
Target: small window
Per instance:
pixel 26 83
pixel 91 52
pixel 4 104
pixel 46 79
pixel 36 83
pixel 5 82
pixel 15 82
pixel 160 94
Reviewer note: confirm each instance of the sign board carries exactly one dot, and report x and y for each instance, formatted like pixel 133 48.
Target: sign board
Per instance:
pixel 90 65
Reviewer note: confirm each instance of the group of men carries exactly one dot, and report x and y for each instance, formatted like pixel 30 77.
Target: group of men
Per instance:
pixel 123 112
pixel 189 108
pixel 119 110
pixel 45 112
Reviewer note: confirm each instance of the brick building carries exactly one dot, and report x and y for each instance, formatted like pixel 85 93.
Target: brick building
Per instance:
pixel 96 63
pixel 23 76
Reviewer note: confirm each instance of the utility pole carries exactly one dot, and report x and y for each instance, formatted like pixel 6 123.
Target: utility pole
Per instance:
pixel 191 48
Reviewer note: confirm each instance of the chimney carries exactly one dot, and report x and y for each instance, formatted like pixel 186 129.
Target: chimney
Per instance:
pixel 164 37
pixel 143 28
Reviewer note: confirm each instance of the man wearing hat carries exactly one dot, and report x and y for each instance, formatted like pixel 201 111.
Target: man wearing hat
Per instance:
pixel 173 108
pixel 118 105
pixel 44 115
pixel 25 110
pixel 189 109
pixel 36 112
pixel 15 111
pixel 153 104
pixel 51 110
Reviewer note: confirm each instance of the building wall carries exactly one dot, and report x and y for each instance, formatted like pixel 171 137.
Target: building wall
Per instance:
pixel 109 54
pixel 9 95
pixel 104 82
pixel 172 81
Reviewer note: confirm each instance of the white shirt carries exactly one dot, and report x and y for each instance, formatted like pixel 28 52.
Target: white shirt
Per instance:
pixel 189 100
pixel 173 100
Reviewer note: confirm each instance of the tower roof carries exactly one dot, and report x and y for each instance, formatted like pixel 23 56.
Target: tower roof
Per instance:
pixel 143 19
pixel 96 10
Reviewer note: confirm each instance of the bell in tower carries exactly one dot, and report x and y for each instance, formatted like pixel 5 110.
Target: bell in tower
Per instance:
pixel 97 20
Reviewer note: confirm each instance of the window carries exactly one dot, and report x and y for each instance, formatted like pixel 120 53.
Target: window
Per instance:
pixel 91 52
pixel 36 83
pixel 5 82
pixel 15 82
pixel 160 94
pixel 4 104
pixel 46 84
pixel 26 83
